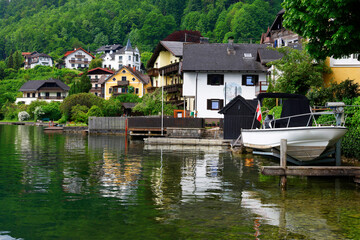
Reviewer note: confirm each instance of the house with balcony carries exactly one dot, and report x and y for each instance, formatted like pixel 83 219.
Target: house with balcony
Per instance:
pixel 97 77
pixel 46 90
pixel 108 49
pixel 126 77
pixel 164 68
pixel 215 73
pixel 34 58
pixel 77 59
pixel 126 56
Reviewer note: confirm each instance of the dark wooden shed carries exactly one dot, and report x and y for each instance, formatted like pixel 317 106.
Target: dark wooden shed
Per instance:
pixel 238 114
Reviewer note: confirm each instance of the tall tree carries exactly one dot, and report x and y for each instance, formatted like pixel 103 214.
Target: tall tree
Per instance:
pixel 332 27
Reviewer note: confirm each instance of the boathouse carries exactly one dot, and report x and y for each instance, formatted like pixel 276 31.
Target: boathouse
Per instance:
pixel 238 114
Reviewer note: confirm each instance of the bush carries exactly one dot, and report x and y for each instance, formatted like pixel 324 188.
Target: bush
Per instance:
pixel 23 116
pixel 52 111
pixel 62 120
pixel 38 113
pixel 112 108
pixel 33 105
pixel 84 99
pixel 95 111
pixel 78 113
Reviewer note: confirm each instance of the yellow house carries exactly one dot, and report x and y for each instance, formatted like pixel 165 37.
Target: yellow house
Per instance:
pixel 119 82
pixel 343 68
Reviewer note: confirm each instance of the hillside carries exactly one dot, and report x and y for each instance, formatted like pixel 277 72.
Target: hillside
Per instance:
pixel 54 26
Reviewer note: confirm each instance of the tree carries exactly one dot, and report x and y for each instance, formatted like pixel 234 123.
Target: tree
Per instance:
pixel 86 99
pixel 151 104
pixel 96 62
pixel 331 27
pixel 296 71
pixel 81 86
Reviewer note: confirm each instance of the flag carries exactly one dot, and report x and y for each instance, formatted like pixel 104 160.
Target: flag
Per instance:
pixel 258 112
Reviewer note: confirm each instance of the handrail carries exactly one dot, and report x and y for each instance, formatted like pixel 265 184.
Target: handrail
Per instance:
pixel 311 116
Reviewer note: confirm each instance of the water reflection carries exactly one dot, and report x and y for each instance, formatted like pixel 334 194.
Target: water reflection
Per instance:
pixel 134 191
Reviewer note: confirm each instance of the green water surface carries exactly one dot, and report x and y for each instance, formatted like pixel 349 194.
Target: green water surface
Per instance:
pixel 74 186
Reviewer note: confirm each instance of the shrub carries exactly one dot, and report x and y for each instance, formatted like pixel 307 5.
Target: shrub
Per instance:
pixel 62 120
pixel 78 113
pixel 95 111
pixel 52 111
pixel 23 116
pixel 85 99
pixel 112 107
pixel 33 105
pixel 38 113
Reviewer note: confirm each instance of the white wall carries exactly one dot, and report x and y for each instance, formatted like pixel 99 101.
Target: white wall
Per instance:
pixel 72 55
pixel 43 61
pixel 116 64
pixel 234 87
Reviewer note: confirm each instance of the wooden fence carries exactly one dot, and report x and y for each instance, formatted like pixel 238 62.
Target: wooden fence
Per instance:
pixel 107 124
pixel 155 122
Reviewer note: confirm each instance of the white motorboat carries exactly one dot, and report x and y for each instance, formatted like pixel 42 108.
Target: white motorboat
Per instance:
pixel 306 140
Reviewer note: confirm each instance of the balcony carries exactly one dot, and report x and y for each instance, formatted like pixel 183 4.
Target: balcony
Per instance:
pixel 174 88
pixel 171 68
pixel 78 62
pixel 151 89
pixel 153 72
pixel 51 97
pixel 79 56
pixel 123 83
pixel 261 87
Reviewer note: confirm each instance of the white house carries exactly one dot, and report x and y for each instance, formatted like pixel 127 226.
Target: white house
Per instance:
pixel 126 56
pixel 45 90
pixel 216 73
pixel 33 59
pixel 108 49
pixel 78 58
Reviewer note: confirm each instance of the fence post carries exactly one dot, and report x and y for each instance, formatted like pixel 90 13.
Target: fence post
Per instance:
pixel 283 154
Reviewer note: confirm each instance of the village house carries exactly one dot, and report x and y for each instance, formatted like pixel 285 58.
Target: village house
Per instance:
pixel 78 58
pixel 126 56
pixel 216 73
pixel 126 77
pixel 46 90
pixel 164 68
pixel 108 49
pixel 34 59
pixel 97 77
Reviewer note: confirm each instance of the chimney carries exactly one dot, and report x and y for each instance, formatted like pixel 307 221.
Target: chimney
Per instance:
pixel 134 68
pixel 230 46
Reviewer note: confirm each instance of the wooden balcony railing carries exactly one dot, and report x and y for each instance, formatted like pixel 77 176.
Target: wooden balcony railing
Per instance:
pixel 122 83
pixel 79 56
pixel 79 62
pixel 171 68
pixel 173 88
pixel 153 72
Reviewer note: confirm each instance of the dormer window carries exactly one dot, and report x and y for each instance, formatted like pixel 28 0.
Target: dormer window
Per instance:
pixel 114 79
pixel 247 55
pixel 123 71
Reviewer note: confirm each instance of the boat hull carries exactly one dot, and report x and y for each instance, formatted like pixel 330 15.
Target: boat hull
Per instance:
pixel 303 143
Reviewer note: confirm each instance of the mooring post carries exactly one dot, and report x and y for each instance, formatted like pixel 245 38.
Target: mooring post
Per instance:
pixel 338 153
pixel 283 154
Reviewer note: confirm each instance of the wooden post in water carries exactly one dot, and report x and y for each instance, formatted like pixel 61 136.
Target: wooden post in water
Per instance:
pixel 283 154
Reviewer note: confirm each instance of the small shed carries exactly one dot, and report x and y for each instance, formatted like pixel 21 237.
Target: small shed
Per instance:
pixel 238 114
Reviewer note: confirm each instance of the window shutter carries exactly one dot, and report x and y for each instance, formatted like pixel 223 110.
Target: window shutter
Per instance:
pixel 256 77
pixel 243 80
pixel 208 79
pixel 209 104
pixel 221 104
pixel 221 79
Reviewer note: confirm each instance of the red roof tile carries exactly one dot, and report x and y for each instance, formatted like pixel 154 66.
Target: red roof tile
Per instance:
pixel 76 49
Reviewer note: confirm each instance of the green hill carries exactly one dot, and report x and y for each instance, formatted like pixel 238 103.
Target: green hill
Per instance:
pixel 55 26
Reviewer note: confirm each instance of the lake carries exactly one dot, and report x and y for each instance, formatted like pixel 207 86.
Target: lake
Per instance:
pixel 74 186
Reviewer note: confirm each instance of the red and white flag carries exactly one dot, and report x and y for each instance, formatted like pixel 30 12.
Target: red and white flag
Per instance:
pixel 258 112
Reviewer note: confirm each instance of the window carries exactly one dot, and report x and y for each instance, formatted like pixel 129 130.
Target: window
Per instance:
pixel 96 86
pixel 28 94
pixel 123 90
pixel 110 90
pixel 120 58
pixel 33 95
pixel 96 77
pixel 96 94
pixel 72 65
pixel 247 55
pixel 215 104
pixel 136 90
pixel 215 79
pixel 123 78
pixel 123 71
pixel 250 80
pixel 129 58
pixel 137 57
pixel 114 79
pixel 110 66
pixel 58 94
pixel 133 79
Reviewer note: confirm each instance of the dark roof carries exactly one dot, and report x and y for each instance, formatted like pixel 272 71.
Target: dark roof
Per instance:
pixel 36 84
pixel 248 103
pixel 261 96
pixel 113 47
pixel 216 57
pixel 266 55
pixel 40 55
pixel 128 46
pixel 174 47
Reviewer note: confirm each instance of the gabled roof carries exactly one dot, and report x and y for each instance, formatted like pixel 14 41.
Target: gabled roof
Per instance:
pixel 266 55
pixel 175 48
pixel 145 79
pixel 277 24
pixel 40 55
pixel 34 85
pixel 128 46
pixel 251 104
pixel 99 69
pixel 222 57
pixel 77 49
pixel 113 47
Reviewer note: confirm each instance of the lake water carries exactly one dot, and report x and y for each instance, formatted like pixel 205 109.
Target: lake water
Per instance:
pixel 73 186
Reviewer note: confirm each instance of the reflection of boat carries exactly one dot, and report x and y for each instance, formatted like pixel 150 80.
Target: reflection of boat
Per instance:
pixel 305 140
